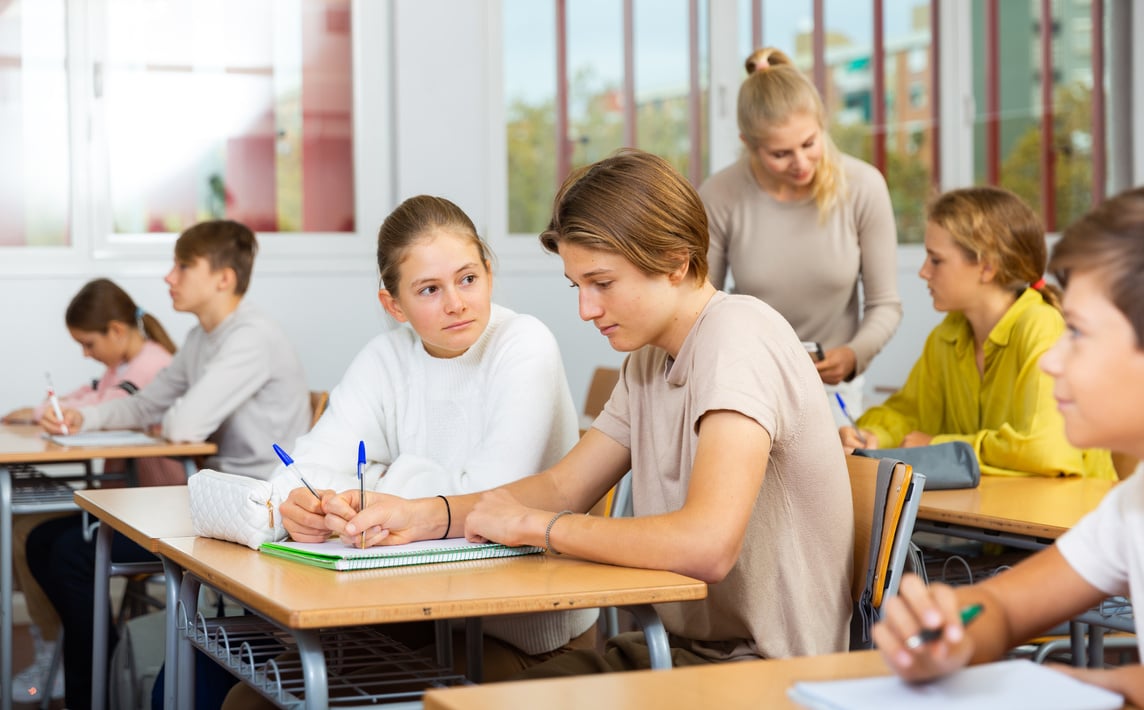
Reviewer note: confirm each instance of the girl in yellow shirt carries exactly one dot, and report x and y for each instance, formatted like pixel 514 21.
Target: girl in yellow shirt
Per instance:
pixel 977 379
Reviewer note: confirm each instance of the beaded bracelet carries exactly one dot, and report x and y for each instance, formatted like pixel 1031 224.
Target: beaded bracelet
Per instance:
pixel 548 531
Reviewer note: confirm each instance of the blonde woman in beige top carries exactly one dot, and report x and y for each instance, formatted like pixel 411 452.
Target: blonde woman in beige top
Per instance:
pixel 800 225
pixel 738 476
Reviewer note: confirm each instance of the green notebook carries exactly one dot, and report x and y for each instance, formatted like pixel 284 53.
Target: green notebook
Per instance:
pixel 334 554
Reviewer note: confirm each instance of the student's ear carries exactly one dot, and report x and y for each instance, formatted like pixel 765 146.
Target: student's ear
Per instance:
pixel 227 279
pixel 681 271
pixel 117 329
pixel 391 305
pixel 988 272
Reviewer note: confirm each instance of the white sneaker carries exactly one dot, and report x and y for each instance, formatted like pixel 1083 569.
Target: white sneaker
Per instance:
pixel 27 684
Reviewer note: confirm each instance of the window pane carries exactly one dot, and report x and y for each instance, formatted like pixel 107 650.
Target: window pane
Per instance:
pixel 849 88
pixel 596 92
pixel 746 14
pixel 662 81
pixel 530 113
pixel 1021 135
pixel 35 179
pixel 237 110
pixel 909 117
pixel 787 24
pixel 1072 108
pixel 595 78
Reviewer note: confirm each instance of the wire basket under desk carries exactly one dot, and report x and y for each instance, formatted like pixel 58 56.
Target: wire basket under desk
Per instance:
pixel 364 666
pixel 33 491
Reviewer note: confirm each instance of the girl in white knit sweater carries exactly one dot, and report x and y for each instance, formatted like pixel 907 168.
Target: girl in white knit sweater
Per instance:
pixel 469 397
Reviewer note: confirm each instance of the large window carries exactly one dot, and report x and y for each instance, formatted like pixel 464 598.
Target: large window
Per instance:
pixel 157 114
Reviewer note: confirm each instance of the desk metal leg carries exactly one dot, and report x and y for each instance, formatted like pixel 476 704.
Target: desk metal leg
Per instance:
pixel 189 466
pixel 475 649
pixel 174 577
pixel 1095 646
pixel 654 633
pixel 1076 636
pixel 100 622
pixel 185 653
pixel 443 636
pixel 5 589
pixel 313 669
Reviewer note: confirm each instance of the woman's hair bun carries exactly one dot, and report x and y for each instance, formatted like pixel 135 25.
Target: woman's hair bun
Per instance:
pixel 765 58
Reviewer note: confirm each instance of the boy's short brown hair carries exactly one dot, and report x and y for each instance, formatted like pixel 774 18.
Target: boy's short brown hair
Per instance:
pixel 1108 241
pixel 224 243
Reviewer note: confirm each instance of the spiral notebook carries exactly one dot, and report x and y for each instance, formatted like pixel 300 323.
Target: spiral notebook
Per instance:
pixel 334 554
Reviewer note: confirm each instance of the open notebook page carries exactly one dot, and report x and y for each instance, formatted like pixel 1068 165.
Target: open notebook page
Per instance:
pixel 1005 684
pixel 107 437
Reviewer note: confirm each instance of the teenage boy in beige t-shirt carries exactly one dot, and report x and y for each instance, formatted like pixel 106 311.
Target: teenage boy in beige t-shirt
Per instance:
pixel 738 476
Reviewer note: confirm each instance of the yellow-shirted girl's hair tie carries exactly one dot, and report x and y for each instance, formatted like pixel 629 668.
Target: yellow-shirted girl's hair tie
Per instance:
pixel 1038 284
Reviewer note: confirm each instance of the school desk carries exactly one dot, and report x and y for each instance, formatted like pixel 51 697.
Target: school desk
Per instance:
pixel 304 602
pixel 25 444
pixel 144 515
pixel 1029 513
pixel 743 684
pixel 1023 512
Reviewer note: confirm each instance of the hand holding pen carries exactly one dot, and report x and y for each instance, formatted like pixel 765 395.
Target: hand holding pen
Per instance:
pixel 853 423
pixel 922 633
pixel 303 515
pixel 56 404
pixel 925 636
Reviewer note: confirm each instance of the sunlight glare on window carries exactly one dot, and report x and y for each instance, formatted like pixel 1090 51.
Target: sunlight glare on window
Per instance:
pixel 240 110
pixel 35 205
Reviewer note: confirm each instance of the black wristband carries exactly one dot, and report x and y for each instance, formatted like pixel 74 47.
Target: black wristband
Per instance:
pixel 449 519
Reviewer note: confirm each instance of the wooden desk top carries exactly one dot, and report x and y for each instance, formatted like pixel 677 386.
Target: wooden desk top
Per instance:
pixel 303 597
pixel 1033 506
pixel 746 684
pixel 142 514
pixel 25 443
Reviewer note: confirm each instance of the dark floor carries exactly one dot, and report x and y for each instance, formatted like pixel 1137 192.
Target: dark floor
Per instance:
pixel 23 654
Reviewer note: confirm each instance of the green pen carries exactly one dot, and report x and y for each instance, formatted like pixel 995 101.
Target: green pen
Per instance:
pixel 925 636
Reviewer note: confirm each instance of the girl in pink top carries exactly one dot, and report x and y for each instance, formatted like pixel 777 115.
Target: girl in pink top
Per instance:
pixel 134 347
pixel 111 329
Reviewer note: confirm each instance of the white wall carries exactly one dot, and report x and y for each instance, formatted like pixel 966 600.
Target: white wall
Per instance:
pixel 443 142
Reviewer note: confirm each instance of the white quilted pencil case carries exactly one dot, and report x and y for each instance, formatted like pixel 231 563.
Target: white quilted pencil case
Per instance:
pixel 237 508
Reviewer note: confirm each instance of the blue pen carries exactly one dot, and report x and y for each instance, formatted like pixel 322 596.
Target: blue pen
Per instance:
pixel 289 463
pixel 361 483
pixel 849 418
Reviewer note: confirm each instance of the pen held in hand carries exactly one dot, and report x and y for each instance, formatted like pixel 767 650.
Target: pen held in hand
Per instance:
pixel 849 418
pixel 289 464
pixel 56 404
pixel 925 636
pixel 361 484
